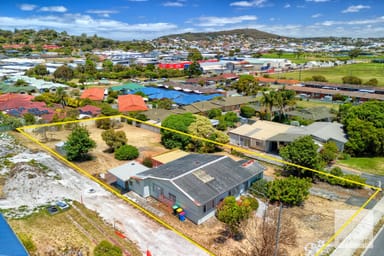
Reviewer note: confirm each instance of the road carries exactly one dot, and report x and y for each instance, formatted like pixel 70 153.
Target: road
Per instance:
pixel 376 247
pixel 371 179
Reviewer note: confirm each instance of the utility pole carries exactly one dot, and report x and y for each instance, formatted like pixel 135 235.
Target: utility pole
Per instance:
pixel 278 229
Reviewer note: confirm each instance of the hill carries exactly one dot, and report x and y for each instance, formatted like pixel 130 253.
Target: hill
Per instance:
pixel 250 33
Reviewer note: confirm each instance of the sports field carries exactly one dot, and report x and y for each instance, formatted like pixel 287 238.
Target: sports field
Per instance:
pixel 364 71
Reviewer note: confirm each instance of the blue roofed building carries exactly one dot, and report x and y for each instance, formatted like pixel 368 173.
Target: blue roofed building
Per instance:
pixel 10 244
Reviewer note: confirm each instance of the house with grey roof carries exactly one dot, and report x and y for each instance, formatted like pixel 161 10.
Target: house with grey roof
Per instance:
pixel 197 182
pixel 270 136
pixel 326 131
pixel 124 172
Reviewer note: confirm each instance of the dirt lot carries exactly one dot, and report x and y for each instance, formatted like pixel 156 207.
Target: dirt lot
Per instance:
pixel 314 220
pixel 146 141
pixel 76 229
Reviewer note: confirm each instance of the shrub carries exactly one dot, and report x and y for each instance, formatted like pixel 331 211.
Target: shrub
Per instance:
pixel 126 152
pixel 319 78
pixel 289 191
pixel 351 80
pixel 251 202
pixel 147 161
pixel 259 188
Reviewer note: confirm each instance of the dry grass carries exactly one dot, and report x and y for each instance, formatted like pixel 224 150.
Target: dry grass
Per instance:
pixel 76 227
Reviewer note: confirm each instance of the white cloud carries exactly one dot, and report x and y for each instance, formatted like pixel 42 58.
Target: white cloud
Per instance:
pixel 317 1
pixel 211 21
pixel 173 4
pixel 254 3
pixel 76 24
pixel 27 7
pixel 316 15
pixel 352 22
pixel 355 8
pixel 102 13
pixel 287 6
pixel 53 9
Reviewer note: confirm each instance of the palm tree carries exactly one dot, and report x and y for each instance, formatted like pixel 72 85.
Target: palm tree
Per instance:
pixel 61 94
pixel 284 98
pixel 268 101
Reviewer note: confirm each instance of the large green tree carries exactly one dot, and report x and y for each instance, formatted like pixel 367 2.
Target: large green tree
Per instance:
pixel 78 144
pixel 194 55
pixel 302 152
pixel 247 111
pixel 202 128
pixel 364 125
pixel 246 85
pixel 171 139
pixel 193 70
pixel 64 72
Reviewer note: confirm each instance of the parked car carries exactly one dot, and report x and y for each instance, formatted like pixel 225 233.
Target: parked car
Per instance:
pixel 62 205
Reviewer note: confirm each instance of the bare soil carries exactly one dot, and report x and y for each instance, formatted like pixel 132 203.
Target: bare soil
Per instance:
pixel 73 230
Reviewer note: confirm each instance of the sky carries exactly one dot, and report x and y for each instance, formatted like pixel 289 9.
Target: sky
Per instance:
pixel 149 19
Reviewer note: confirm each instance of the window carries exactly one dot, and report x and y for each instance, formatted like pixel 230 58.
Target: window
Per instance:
pixel 172 197
pixel 157 189
pixel 208 206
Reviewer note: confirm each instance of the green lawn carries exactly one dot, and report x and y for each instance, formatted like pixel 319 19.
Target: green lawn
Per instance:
pixel 364 71
pixel 374 165
pixel 312 104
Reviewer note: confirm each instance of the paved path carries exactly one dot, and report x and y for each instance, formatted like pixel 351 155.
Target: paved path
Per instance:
pixel 376 247
pixel 361 232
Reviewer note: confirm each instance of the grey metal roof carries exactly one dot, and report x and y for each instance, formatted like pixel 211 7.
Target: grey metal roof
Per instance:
pixel 125 171
pixel 326 131
pixel 223 176
pixel 180 166
pixel 204 177
pixel 286 137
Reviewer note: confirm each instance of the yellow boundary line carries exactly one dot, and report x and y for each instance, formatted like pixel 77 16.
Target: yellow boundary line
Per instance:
pixel 151 215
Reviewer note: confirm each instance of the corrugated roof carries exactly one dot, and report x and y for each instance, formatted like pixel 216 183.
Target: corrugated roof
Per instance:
pixel 10 245
pixel 217 178
pixel 180 166
pixel 326 131
pixel 261 129
pixel 125 171
pixel 128 86
pixel 233 101
pixel 131 102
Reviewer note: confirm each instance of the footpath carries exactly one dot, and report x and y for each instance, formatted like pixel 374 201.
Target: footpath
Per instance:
pixel 363 232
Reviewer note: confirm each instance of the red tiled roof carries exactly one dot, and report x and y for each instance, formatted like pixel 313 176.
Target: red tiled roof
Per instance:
pixel 13 100
pixel 91 109
pixel 95 93
pixel 131 102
